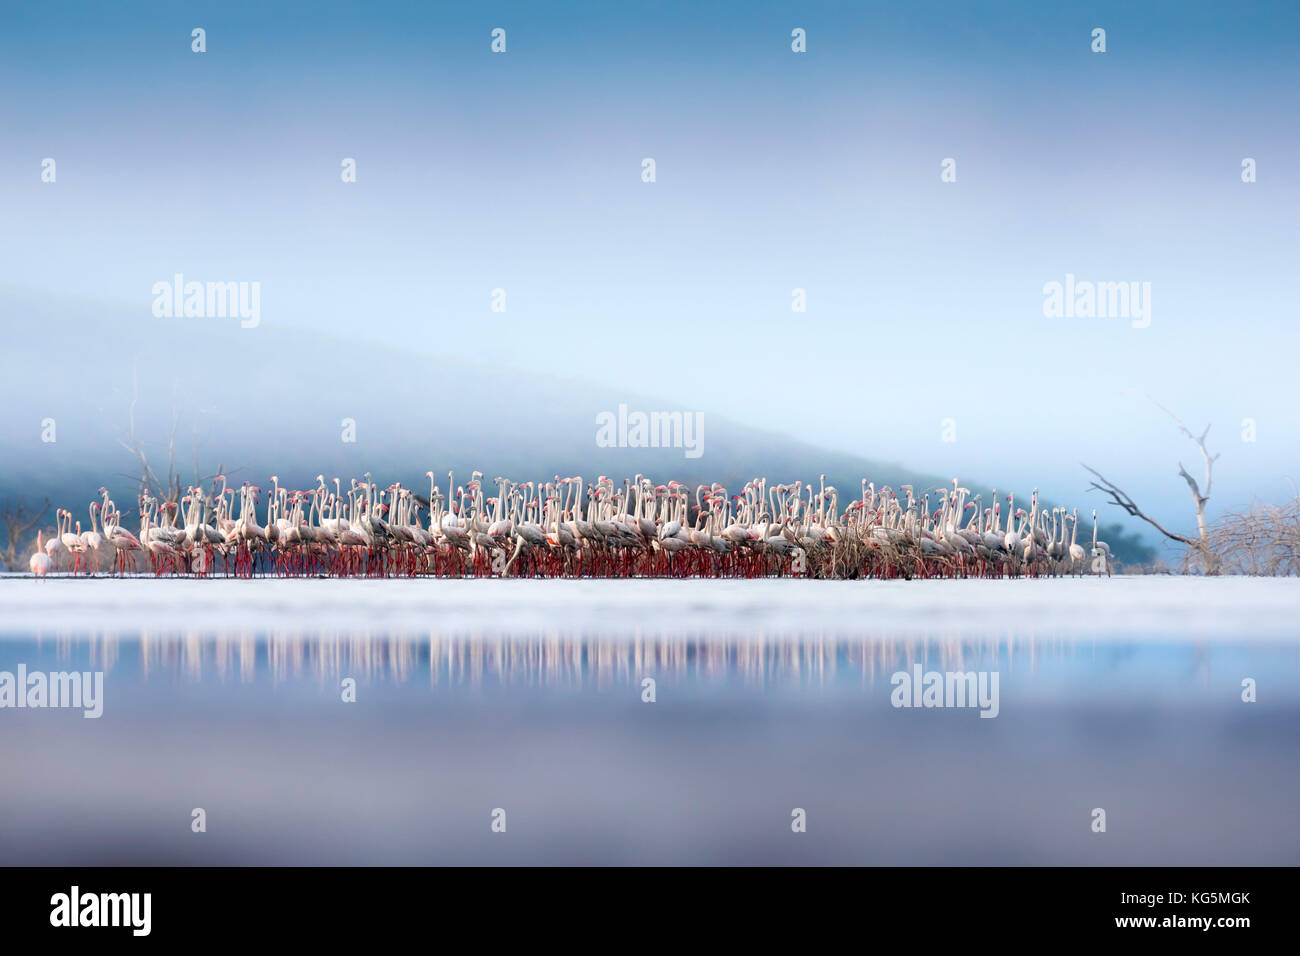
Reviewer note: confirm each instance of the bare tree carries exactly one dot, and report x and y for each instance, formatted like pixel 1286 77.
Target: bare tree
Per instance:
pixel 18 522
pixel 1201 545
pixel 148 480
pixel 150 483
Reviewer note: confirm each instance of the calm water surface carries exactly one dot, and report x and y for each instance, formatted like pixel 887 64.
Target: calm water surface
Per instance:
pixel 523 698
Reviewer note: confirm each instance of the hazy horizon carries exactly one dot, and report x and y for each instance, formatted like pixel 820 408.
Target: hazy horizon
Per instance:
pixel 775 171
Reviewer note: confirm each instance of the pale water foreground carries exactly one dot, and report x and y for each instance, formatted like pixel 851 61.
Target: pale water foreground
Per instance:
pixel 1123 694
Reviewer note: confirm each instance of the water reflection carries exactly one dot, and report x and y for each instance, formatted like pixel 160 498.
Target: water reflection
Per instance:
pixel 249 724
pixel 556 659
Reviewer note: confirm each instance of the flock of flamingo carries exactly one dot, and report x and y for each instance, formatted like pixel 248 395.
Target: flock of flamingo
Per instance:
pixel 568 528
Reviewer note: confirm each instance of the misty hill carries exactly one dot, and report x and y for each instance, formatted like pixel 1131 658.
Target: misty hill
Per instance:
pixel 275 400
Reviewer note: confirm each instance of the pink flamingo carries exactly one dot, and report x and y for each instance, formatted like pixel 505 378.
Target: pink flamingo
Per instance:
pixel 40 563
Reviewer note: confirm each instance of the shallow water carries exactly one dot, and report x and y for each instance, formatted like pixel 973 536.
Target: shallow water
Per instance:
pixel 1123 694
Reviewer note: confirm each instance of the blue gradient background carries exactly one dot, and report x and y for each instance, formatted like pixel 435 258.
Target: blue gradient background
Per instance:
pixel 775 171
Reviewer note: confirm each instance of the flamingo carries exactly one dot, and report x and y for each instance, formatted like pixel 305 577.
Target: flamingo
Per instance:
pixel 1076 550
pixel 1100 547
pixel 563 526
pixel 54 547
pixel 97 546
pixel 40 563
pixel 126 544
pixel 72 542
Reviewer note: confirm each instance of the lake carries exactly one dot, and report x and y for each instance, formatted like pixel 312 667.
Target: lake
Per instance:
pixel 510 722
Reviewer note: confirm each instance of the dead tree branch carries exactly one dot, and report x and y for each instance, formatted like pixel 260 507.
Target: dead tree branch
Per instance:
pixel 1202 543
pixel 148 480
pixel 1121 499
pixel 1199 497
pixel 18 523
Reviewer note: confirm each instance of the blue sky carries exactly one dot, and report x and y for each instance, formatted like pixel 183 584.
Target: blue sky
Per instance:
pixel 819 171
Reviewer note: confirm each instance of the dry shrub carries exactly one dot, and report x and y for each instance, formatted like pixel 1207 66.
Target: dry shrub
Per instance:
pixel 1262 541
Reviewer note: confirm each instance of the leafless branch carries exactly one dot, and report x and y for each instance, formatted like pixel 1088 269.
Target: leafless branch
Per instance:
pixel 1202 543
pixel 18 523
pixel 148 480
pixel 1200 497
pixel 1121 499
